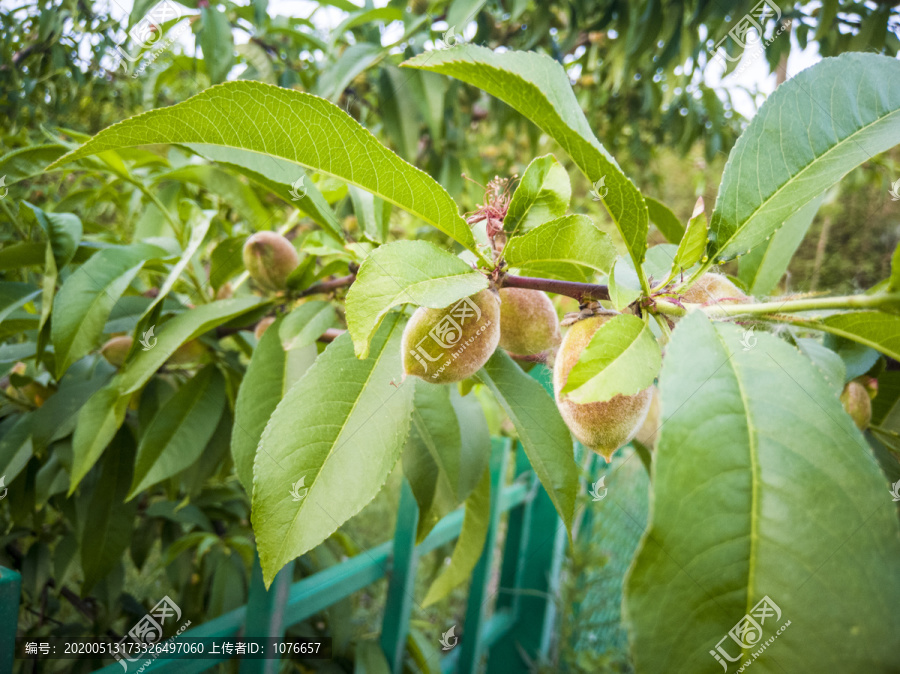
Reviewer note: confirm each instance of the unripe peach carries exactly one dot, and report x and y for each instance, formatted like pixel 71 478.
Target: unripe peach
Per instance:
pixel 711 288
pixel 528 322
pixel 188 353
pixel 225 292
pixel 270 259
pixel 116 350
pixel 648 433
pixel 600 426
pixel 450 344
pixel 857 403
pixel 262 326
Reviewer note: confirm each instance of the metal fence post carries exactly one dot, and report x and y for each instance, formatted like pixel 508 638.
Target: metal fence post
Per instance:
pixel 398 607
pixel 265 613
pixel 10 596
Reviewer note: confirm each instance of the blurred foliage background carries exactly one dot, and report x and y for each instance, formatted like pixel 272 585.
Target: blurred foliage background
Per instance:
pixel 642 72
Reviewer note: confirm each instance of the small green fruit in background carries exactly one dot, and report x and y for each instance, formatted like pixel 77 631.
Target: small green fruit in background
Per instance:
pixel 189 353
pixel 601 426
pixel 711 288
pixel 450 344
pixel 528 322
pixel 270 258
pixel 116 350
pixel 857 403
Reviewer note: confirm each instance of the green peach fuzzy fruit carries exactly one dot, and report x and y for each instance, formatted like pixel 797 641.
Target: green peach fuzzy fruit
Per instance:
pixel 450 344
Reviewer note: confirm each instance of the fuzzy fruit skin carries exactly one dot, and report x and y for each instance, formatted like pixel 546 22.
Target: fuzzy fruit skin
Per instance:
pixel 470 357
pixel 262 326
pixel 116 349
pixel 602 427
pixel 648 433
pixel 270 259
pixel 528 322
pixel 711 288
pixel 857 403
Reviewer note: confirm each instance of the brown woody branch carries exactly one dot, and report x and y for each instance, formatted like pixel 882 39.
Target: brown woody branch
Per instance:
pixel 327 286
pixel 580 291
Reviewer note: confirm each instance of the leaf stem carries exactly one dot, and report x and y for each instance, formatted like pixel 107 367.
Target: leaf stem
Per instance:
pixel 723 310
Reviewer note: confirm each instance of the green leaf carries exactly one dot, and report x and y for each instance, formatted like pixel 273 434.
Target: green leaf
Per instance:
pixel 370 215
pixel 180 430
pixel 24 254
pixel 105 411
pixel 342 69
pixel 16 445
pixel 14 295
pixel 830 364
pixel 109 521
pixel 543 194
pixel 475 440
pixel 572 238
pixel 305 324
pixel 624 284
pixel 27 162
pixel 431 457
pixel 541 430
pixel 226 260
pixel 762 486
pixel 538 87
pixel 287 124
pixel 762 268
pixel 88 296
pixel 279 177
pixel 469 545
pixel 337 434
pixel 417 272
pixel 800 143
pixel 665 220
pixel 217 43
pixel 63 231
pixel 623 357
pixel 199 226
pixel 875 329
pixel 894 281
pixel 693 243
pixel 271 372
pixel 223 184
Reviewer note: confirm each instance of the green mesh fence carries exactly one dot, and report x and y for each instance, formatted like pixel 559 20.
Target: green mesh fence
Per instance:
pixel 593 637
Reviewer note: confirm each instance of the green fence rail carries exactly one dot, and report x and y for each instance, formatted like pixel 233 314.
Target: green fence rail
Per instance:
pixel 520 624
